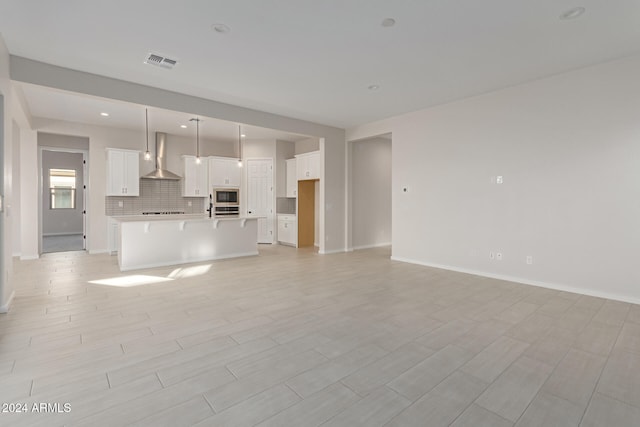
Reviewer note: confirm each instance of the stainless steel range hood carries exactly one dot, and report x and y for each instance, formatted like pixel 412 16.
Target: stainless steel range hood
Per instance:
pixel 160 172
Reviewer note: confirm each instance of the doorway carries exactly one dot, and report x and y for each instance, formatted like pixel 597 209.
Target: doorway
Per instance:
pixel 63 204
pixel 260 196
pixel 370 192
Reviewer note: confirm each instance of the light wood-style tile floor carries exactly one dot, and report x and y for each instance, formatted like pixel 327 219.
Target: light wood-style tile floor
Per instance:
pixel 293 338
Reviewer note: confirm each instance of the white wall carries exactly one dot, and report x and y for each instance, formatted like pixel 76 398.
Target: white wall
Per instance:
pixel 371 192
pixel 15 162
pixel 567 147
pixel 6 160
pixel 284 150
pixel 307 145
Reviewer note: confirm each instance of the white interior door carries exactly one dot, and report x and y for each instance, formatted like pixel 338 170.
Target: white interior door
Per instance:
pixel 260 197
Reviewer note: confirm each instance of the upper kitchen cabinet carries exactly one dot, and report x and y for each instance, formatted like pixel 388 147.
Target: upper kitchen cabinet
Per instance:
pixel 292 178
pixel 194 183
pixel 123 172
pixel 224 172
pixel 308 166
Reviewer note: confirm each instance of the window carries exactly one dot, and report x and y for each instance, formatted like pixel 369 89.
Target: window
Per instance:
pixel 62 189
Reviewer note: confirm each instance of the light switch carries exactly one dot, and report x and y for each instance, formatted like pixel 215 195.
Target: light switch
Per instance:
pixel 499 179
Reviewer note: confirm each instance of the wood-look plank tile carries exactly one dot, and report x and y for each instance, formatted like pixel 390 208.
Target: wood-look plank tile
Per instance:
pixel 262 317
pixel 443 404
pixel 517 312
pixel 265 359
pixel 621 378
pixel 597 338
pixel 316 409
pixel 322 376
pixel 606 411
pixel 512 392
pixel 548 410
pixel 385 369
pixel 493 360
pixel 375 410
pixel 151 403
pixel 254 409
pixel 477 416
pixel 184 414
pixel 424 376
pixel 230 394
pixel 629 338
pixel 575 378
pixel 445 335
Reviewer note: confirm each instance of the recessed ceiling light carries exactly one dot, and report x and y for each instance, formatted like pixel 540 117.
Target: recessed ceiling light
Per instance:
pixel 221 28
pixel 373 87
pixel 388 22
pixel 183 126
pixel 573 13
pixel 104 114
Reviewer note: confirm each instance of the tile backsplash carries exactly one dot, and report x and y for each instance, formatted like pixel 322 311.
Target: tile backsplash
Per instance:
pixel 155 196
pixel 286 205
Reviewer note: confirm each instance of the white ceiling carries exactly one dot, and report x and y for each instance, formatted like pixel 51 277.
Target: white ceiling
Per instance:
pixel 314 60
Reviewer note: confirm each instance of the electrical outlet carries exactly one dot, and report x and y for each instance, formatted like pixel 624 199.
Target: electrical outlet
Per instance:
pixel 499 179
pixel 499 256
pixel 405 189
pixel 189 203
pixel 492 255
pixel 529 259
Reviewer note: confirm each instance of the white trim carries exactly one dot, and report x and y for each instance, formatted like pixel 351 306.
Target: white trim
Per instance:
pixel 547 285
pixel 61 234
pixel 86 189
pixel 5 308
pixel 375 245
pixel 334 251
pixel 99 251
pixel 29 257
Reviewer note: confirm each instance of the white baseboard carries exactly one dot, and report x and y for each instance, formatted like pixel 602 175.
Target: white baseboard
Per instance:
pixel 547 285
pixel 334 251
pixel 99 251
pixel 5 308
pixel 375 245
pixel 29 257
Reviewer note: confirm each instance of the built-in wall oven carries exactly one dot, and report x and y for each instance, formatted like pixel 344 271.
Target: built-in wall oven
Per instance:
pixel 226 202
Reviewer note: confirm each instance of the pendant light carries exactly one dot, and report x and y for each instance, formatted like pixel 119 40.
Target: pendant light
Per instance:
pixel 147 154
pixel 239 147
pixel 197 120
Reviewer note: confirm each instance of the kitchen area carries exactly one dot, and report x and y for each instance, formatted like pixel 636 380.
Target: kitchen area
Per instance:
pixel 177 205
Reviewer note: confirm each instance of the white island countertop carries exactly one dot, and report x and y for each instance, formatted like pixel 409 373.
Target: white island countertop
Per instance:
pixel 160 240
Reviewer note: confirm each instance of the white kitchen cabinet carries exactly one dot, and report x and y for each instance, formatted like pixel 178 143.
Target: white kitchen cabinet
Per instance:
pixel 308 166
pixel 224 172
pixel 292 178
pixel 113 235
pixel 123 172
pixel 195 181
pixel 287 229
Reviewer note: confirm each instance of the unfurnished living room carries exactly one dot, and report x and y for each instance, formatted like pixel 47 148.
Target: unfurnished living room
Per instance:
pixel 337 213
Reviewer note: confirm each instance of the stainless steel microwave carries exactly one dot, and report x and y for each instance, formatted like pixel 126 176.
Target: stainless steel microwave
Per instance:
pixel 226 196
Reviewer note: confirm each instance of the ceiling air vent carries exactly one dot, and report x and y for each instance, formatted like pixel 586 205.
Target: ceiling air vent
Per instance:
pixel 160 61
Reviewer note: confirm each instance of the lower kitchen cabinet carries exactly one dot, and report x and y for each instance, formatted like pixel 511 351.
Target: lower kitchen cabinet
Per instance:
pixel 287 230
pixel 113 235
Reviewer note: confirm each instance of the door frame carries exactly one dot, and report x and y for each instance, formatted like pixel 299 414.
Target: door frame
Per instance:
pixel 85 190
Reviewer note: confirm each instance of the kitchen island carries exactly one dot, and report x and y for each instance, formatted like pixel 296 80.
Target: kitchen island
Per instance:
pixel 178 239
